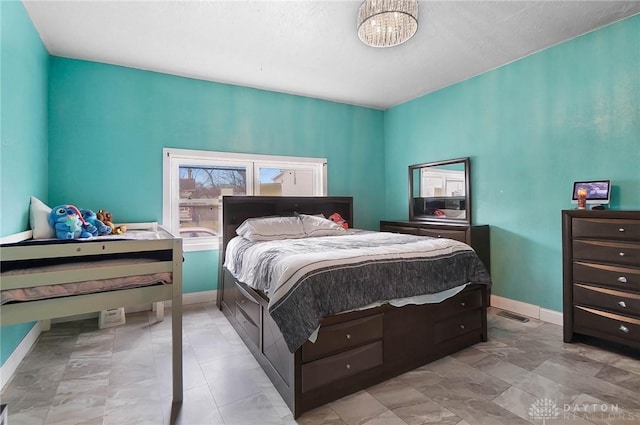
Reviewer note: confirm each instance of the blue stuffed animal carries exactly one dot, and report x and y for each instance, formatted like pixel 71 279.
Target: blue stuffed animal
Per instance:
pixel 94 226
pixel 68 223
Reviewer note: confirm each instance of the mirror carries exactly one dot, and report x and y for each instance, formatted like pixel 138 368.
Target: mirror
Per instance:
pixel 440 191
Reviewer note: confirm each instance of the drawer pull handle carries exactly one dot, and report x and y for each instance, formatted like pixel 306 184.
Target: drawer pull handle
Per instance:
pixel 622 304
pixel 621 229
pixel 348 366
pixel 348 336
pixel 621 254
pixel 461 326
pixel 463 304
pixel 622 279
pixel 624 329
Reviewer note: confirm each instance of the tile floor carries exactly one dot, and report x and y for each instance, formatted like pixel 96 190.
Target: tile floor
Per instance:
pixel 524 374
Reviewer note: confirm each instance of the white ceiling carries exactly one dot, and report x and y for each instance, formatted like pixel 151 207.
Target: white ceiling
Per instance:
pixel 311 48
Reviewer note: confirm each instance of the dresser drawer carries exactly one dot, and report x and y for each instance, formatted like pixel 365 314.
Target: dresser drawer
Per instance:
pixel 614 276
pixel 609 324
pixel 329 369
pixel 607 299
pixel 608 228
pixel 607 251
pixel 461 303
pixel 342 336
pixel 459 235
pixel 394 228
pixel 458 325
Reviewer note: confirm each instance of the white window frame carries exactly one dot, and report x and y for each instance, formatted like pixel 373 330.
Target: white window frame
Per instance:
pixel 173 159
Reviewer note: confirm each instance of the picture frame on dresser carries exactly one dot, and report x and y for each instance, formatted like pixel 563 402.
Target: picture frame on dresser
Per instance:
pixel 601 275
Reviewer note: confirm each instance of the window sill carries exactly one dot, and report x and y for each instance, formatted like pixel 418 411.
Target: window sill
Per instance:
pixel 192 245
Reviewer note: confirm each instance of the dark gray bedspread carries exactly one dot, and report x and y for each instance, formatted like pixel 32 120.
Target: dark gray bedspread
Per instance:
pixel 308 279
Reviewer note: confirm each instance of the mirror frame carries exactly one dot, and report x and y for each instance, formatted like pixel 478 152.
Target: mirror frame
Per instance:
pixel 467 182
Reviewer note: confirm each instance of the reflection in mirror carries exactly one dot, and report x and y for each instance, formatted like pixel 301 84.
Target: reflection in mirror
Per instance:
pixel 440 191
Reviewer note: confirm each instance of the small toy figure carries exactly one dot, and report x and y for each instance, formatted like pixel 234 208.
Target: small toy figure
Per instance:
pixel 106 218
pixel 337 218
pixel 95 226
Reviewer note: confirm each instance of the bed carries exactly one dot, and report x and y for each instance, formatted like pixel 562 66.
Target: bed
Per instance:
pixel 46 279
pixel 352 350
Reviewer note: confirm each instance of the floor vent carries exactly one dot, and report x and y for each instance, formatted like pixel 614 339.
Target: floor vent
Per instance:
pixel 513 316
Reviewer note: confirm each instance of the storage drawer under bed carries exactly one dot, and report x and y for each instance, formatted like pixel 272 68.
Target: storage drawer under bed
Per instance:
pixel 332 368
pixel 458 325
pixel 248 314
pixel 465 301
pixel 342 336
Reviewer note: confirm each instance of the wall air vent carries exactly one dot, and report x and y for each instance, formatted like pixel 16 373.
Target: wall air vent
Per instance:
pixel 513 316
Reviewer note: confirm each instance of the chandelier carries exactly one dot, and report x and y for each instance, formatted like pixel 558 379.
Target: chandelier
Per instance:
pixel 387 23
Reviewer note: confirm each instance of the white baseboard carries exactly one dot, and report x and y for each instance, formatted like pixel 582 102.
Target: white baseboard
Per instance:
pixel 10 366
pixel 190 298
pixel 551 316
pixel 96 314
pixel 75 317
pixel 514 306
pixel 197 298
pixel 525 309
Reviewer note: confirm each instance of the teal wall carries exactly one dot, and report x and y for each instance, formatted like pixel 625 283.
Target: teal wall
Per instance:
pixel 23 132
pixel 108 125
pixel 200 272
pixel 531 128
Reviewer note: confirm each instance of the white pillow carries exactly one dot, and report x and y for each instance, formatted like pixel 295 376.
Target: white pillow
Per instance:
pixel 271 228
pixel 317 226
pixel 39 220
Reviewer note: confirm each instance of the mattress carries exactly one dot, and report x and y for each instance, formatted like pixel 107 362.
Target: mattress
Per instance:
pixel 82 287
pixel 311 278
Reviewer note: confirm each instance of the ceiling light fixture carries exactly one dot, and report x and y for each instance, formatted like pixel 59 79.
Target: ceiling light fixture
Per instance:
pixel 387 23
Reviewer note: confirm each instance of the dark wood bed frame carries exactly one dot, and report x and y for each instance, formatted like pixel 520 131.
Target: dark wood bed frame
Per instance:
pixel 354 350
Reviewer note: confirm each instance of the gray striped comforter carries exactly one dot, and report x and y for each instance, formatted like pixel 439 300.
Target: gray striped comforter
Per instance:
pixel 308 279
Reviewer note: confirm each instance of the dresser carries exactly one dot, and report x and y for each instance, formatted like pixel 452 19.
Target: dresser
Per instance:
pixel 601 275
pixel 475 236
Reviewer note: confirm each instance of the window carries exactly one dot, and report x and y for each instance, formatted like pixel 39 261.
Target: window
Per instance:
pixel 195 181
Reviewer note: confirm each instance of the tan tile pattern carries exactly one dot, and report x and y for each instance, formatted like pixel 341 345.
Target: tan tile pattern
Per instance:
pixel 524 374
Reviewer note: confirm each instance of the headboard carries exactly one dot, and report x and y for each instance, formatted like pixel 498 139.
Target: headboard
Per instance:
pixel 236 209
